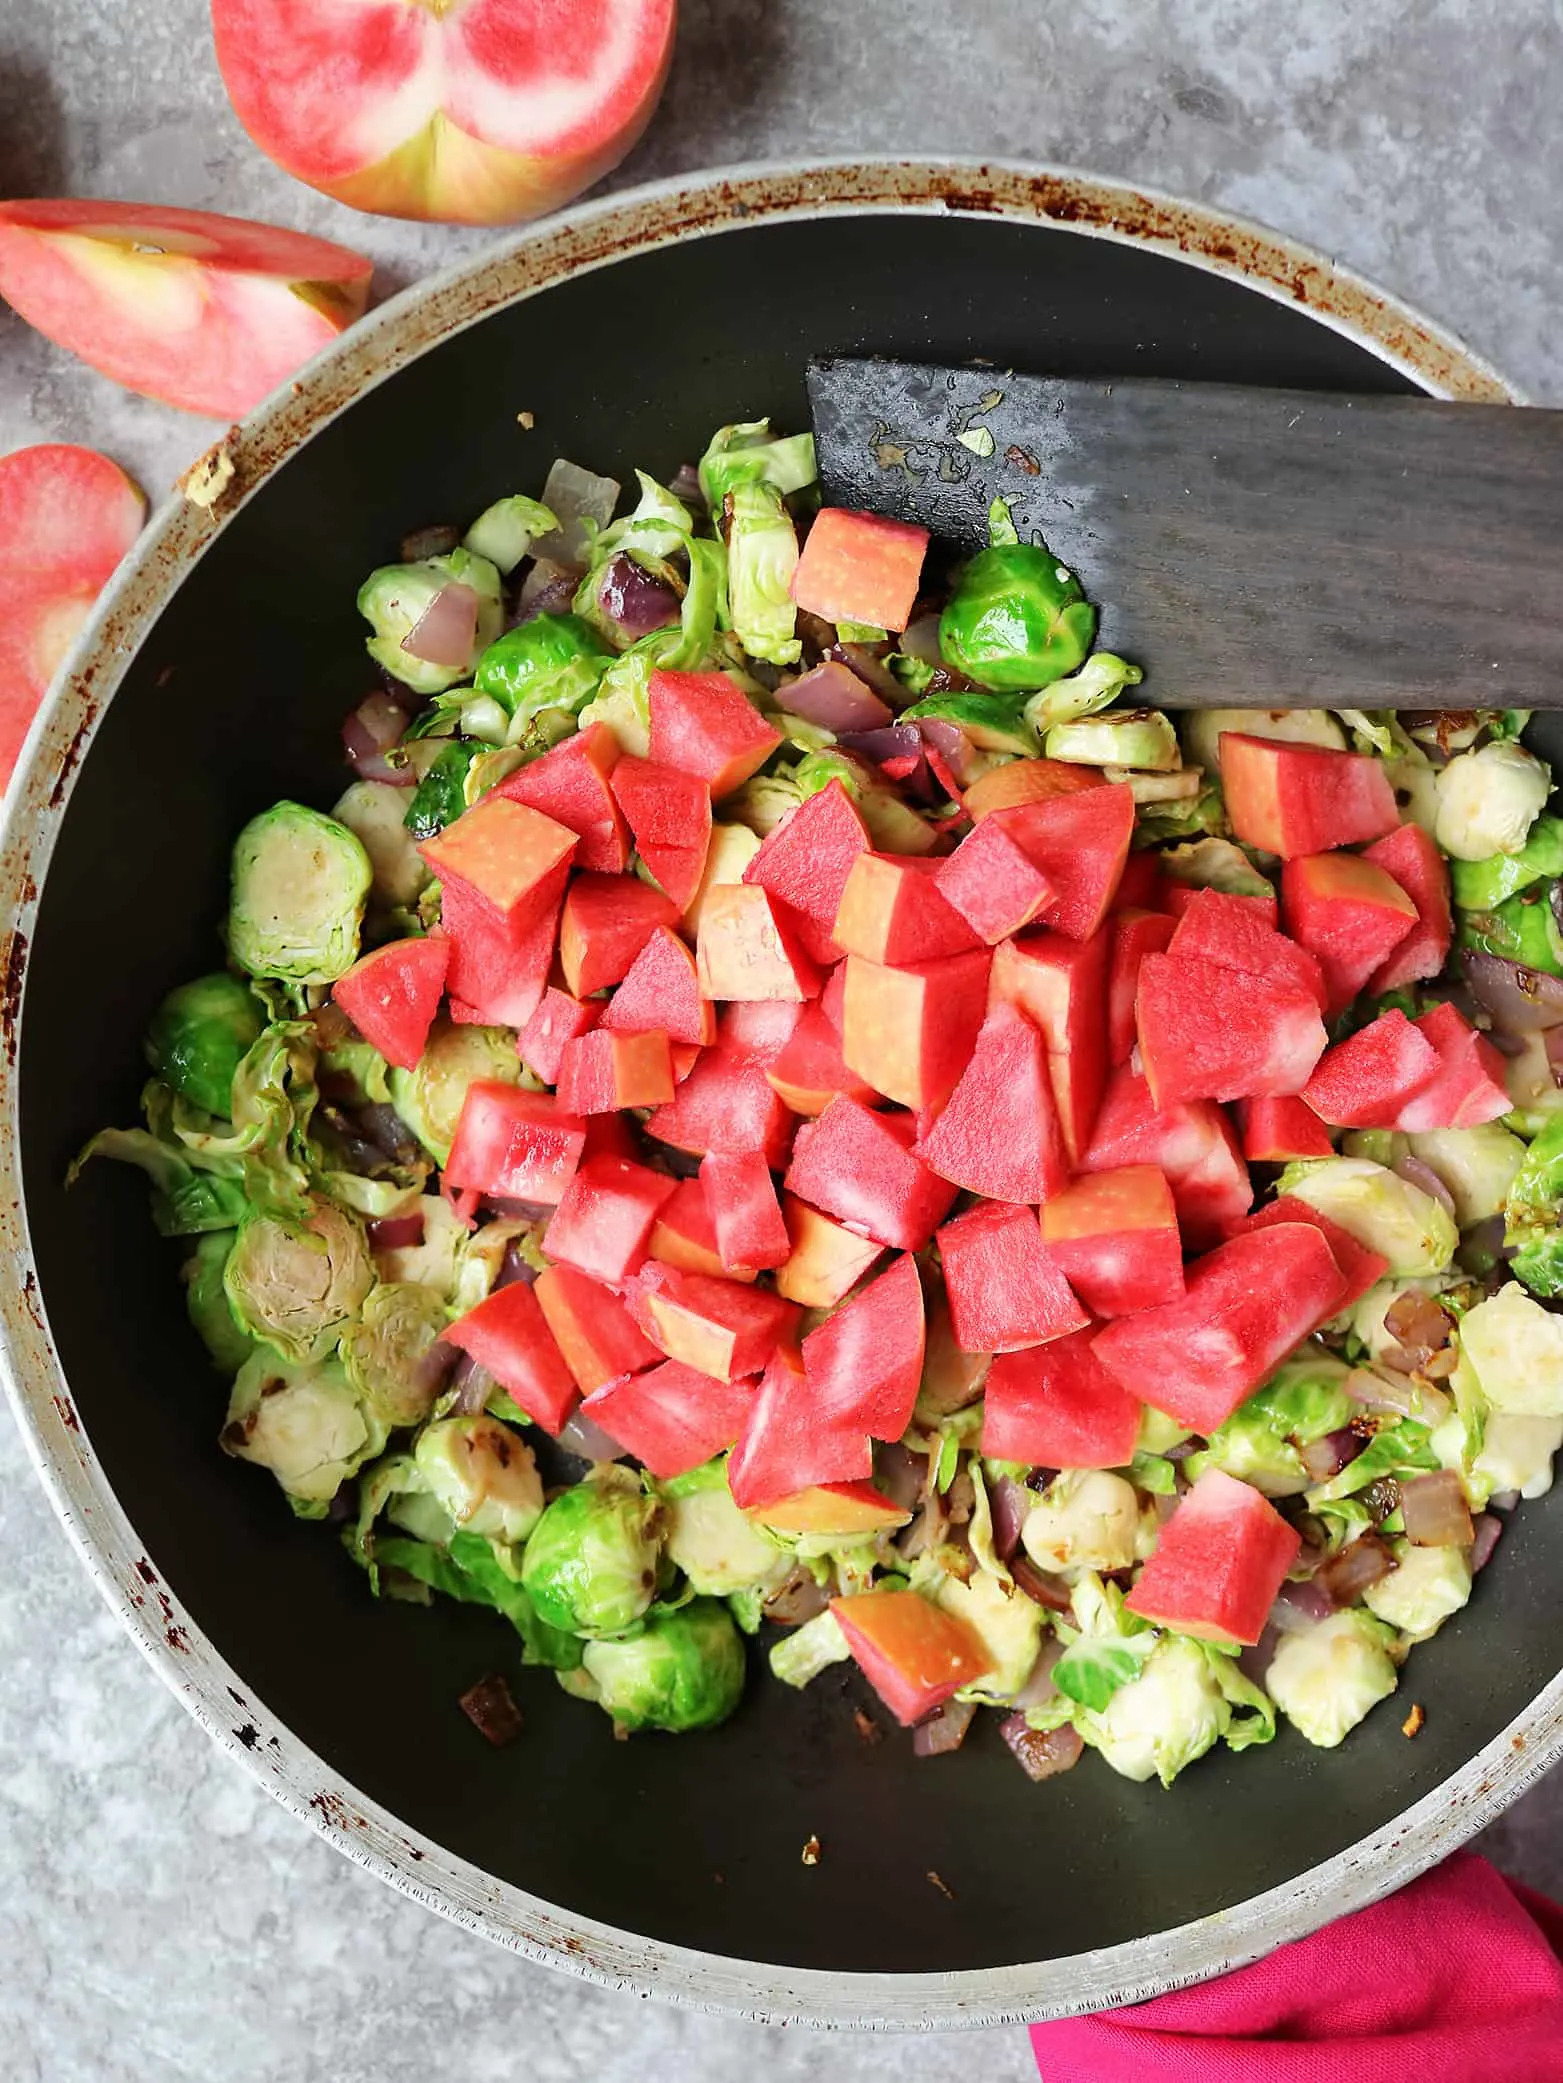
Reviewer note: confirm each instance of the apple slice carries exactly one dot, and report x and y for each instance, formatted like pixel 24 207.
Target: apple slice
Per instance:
pixel 208 313
pixel 464 111
pixel 67 516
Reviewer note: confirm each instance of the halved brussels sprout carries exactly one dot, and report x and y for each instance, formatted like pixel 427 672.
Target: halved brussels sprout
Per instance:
pixel 199 1036
pixel 441 795
pixel 1303 1401
pixel 505 532
pixel 1101 680
pixel 1164 1719
pixel 1203 728
pixel 1216 864
pixel 430 1097
pixel 1422 1590
pixel 719 1549
pixel 392 1351
pixel 297 1290
pixel 1005 1621
pixel 591 1563
pixel 1483 885
pixel 1516 1347
pixel 299 885
pixel 1085 1519
pixel 1516 1454
pixel 394 599
pixel 1017 619
pixel 747 453
pixel 1476 1166
pixel 206 1302
pixel 549 662
pixel 762 555
pixel 1489 799
pixel 375 813
pixel 801 1655
pixel 684 1670
pixel 1388 1214
pixel 484 1474
pixel 1326 1678
pixel 306 1424
pixel 1143 739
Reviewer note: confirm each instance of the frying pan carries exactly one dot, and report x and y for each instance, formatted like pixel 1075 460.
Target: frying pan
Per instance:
pixel 628 329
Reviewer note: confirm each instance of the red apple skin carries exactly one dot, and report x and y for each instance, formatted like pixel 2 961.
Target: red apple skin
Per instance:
pixel 67 517
pixel 459 111
pixel 208 313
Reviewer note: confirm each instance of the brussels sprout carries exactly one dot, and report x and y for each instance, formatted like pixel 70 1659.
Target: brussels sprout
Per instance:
pixel 188 1197
pixel 1516 1347
pixel 1489 799
pixel 390 1354
pixel 1516 1454
pixel 591 1564
pixel 763 802
pixel 1017 618
pixel 483 1474
pixel 1476 1166
pixel 684 1670
pixel 717 1547
pixel 992 722
pixel 893 826
pixel 1484 885
pixel 430 1097
pixel 504 532
pixel 1085 1519
pixel 1388 1214
pixel 305 1423
pixel 1522 929
pixel 375 813
pixel 1216 864
pixel 1109 1648
pixel 1164 1719
pixel 1326 1678
pixel 441 795
pixel 1130 738
pixel 762 555
pixel 1159 1434
pixel 297 1290
pixel 1005 1621
pixel 1203 728
pixel 550 662
pixel 801 1655
pixel 623 698
pixel 1101 680
pixel 207 1303
pixel 393 600
pixel 297 901
pixel 1303 1401
pixel 1422 1590
pixel 199 1036
pixel 746 453
pixel 1403 1448
pixel 1534 1094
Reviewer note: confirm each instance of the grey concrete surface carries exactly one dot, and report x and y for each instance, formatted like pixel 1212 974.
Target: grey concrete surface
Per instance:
pixel 159 1917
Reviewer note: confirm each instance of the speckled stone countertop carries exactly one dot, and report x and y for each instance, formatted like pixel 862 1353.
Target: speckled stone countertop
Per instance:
pixel 159 1917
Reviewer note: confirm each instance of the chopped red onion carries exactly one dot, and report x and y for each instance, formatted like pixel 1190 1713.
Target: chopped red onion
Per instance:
pixel 1300 1605
pixel 573 496
pixel 835 698
pixel 1435 1509
pixel 375 728
pixel 951 744
pixel 1486 1532
pixel 870 667
pixel 1554 1046
pixel 1255 1660
pixel 429 542
pixel 799 1598
pixel 431 1371
pixel 1503 1500
pixel 1347 1575
pixel 445 633
pixel 547 589
pixel 901 1475
pixel 1397 1395
pixel 1008 1503
pixel 1326 1457
pixel 471 1387
pixel 898 751
pixel 1520 1001
pixel 582 1435
pixel 921 640
pixel 396 1232
pixel 514 1268
pixel 515 1211
pixel 634 601
pixel 1041 1586
pixel 1040 1753
pixel 944 1730
pixel 488 1705
pixel 1424 1177
pixel 1039 1687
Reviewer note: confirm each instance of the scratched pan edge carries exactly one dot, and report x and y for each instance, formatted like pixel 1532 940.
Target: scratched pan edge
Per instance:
pixel 595 1856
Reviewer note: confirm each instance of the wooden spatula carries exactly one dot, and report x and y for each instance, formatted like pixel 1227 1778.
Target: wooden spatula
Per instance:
pixel 1250 548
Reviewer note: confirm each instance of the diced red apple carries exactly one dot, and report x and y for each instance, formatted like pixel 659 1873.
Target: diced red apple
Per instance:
pixel 703 725
pixel 1364 1081
pixel 1005 1288
pixel 1275 1131
pixel 508 1335
pixel 1359 1267
pixel 1209 1032
pixel 911 1031
pixel 1411 858
pixel 513 857
pixel 1022 781
pixel 1135 934
pixel 684 1234
pixel 602 1072
pixel 671 1418
pixel 1191 1142
pixel 1292 799
pixel 1056 1406
pixel 662 992
pixel 205 312
pixel 726 1103
pixel 559 1018
pixel 594 1331
pixel 865 1362
pixel 809 1070
pixel 757 1032
pixel 1080 843
pixel 481 114
pixel 607 920
pixel 719 1327
pixel 999 1134
pixel 67 517
pixel 806 861
pixel 1247 1304
pixel 497 972
pixel 745 1213
pixel 1061 987
pixel 891 911
pixel 993 882
pixel 914 1654
pixel 570 785
pixel 669 812
pixel 825 1261
pixel 392 994
pixel 833 1509
pixel 514 1145
pixel 603 1221
pixel 1348 913
pixel 1468 1087
pixel 747 950
pixel 860 1167
pixel 1240 933
pixel 1115 1236
pixel 860 567
pixel 785 1448
pixel 1219 1561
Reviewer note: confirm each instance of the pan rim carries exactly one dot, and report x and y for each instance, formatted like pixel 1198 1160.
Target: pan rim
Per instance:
pixel 589 236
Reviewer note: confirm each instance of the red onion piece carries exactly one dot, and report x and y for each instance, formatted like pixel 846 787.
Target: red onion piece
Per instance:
pixel 1041 1753
pixel 901 1475
pixel 1503 1500
pixel 952 745
pixel 471 1387
pixel 1486 1532
pixel 634 601
pixel 396 1232
pixel 582 1435
pixel 1039 1688
pixel 1326 1457
pixel 870 668
pixel 375 728
pixel 835 698
pixel 921 640
pixel 801 1597
pixel 1255 1660
pixel 1008 1502
pixel 1041 1586
pixel 1347 1575
pixel 573 495
pixel 1520 1001
pixel 547 589
pixel 513 1268
pixel 436 1364
pixel 515 1211
pixel 889 748
pixel 446 631
pixel 436 541
pixel 1424 1177
pixel 944 1730
pixel 1298 1606
pixel 1435 1509
pixel 1554 1048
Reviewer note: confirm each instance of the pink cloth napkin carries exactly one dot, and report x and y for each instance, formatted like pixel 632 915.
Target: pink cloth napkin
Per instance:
pixel 1458 1979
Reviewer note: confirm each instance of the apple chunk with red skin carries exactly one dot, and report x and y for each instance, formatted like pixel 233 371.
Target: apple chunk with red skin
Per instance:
pixel 462 111
pixel 205 312
pixel 67 516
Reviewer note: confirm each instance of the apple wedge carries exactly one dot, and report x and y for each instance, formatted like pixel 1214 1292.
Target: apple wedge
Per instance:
pixel 463 111
pixel 205 312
